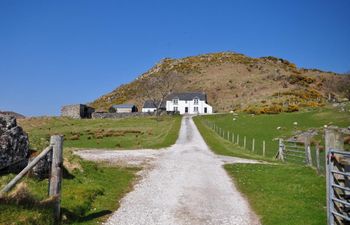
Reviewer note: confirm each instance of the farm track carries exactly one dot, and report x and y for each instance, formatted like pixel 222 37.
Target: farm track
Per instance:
pixel 183 184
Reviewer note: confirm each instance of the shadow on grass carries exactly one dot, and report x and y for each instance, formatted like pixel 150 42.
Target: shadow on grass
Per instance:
pixel 73 217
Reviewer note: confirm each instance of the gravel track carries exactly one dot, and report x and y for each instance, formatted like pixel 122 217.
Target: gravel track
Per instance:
pixel 184 184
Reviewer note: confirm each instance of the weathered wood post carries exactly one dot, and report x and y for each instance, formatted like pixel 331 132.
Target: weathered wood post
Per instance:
pixel 244 142
pixel 228 135
pixel 264 148
pixel 56 142
pixel 308 150
pixel 253 145
pixel 318 158
pixel 280 149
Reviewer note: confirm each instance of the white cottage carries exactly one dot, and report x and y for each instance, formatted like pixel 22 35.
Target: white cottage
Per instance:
pixel 188 103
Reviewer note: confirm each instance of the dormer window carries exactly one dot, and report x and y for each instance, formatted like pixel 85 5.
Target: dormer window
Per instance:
pixel 195 101
pixel 175 101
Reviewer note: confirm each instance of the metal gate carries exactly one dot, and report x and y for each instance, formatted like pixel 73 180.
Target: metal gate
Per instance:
pixel 338 187
pixel 295 151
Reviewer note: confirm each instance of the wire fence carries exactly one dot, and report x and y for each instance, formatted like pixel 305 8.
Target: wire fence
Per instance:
pixel 251 144
pixel 302 153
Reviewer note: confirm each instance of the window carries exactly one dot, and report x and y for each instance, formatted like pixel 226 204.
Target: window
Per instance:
pixel 175 101
pixel 175 109
pixel 195 101
pixel 195 109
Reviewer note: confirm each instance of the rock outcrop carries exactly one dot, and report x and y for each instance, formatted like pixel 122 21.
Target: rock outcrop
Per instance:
pixel 14 144
pixel 42 169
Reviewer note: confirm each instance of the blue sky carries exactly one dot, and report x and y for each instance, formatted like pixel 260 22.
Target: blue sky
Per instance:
pixel 54 53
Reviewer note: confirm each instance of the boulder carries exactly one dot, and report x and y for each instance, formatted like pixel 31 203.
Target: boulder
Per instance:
pixel 42 169
pixel 14 144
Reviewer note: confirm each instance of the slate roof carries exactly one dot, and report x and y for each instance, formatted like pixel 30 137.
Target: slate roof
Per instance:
pixel 188 96
pixel 152 104
pixel 124 106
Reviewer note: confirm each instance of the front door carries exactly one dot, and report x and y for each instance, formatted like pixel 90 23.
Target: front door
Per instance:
pixel 186 109
pixel 205 110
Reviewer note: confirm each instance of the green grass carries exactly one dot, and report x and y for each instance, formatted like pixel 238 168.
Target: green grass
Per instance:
pixel 221 146
pixel 90 191
pixel 282 194
pixel 264 127
pixel 89 194
pixel 129 133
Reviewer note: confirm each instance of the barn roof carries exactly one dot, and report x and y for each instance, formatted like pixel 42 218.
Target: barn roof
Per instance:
pixel 152 104
pixel 123 106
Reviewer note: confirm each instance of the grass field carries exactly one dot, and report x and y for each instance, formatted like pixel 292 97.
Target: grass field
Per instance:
pixel 285 193
pixel 129 133
pixel 90 191
pixel 264 127
pixel 282 194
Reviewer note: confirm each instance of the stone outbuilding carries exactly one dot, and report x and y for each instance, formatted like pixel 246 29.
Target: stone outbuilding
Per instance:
pixel 78 111
pixel 150 106
pixel 123 108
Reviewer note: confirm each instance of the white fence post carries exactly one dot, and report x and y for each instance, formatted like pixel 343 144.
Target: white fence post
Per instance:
pixel 253 145
pixel 264 148
pixel 280 149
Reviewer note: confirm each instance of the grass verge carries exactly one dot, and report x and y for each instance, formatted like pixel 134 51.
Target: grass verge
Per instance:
pixel 282 194
pixel 90 193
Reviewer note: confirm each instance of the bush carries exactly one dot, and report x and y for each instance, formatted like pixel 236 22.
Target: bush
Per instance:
pixel 292 108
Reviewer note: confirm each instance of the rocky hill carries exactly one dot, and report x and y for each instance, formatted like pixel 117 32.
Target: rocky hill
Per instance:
pixel 234 81
pixel 10 113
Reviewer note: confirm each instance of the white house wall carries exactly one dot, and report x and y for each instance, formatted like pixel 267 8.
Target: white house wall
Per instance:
pixel 148 109
pixel 182 104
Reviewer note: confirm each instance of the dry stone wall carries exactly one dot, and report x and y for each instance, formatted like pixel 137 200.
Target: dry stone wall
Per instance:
pixel 102 115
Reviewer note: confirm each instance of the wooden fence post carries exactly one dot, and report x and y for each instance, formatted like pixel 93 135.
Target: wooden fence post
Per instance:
pixel 56 142
pixel 264 148
pixel 244 142
pixel 318 158
pixel 253 145
pixel 228 135
pixel 308 150
pixel 237 139
pixel 280 149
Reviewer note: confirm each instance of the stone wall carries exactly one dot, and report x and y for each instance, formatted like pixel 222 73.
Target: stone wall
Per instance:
pixel 103 115
pixel 78 111
pixel 14 144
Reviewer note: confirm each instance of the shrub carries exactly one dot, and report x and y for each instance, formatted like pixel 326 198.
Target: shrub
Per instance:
pixel 292 108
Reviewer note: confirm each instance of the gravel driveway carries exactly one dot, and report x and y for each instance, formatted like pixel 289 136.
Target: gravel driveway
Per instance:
pixel 184 184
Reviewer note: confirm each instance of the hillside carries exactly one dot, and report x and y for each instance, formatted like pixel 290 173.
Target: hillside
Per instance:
pixel 234 81
pixel 10 113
